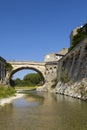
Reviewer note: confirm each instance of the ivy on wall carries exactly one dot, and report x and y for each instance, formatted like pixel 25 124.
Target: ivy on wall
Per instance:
pixel 81 34
pixel 8 66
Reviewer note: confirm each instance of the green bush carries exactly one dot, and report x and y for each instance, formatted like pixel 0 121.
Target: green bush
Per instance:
pixel 6 91
pixel 8 67
pixel 81 34
pixel 31 79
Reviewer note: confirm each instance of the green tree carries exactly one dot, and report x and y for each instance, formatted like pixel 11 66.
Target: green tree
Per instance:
pixel 18 82
pixel 32 78
pixel 8 66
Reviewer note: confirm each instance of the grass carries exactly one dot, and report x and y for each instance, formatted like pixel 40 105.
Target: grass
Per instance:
pixel 6 91
pixel 25 87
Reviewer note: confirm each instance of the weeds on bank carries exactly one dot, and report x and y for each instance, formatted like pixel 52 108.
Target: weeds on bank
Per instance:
pixel 6 91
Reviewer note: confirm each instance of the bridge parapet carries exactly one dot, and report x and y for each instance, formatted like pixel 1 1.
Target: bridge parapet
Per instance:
pixel 26 62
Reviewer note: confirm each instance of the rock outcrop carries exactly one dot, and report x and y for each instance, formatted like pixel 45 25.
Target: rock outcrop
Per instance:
pixel 75 89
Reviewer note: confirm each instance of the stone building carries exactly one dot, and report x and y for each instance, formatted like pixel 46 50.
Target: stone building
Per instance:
pixel 2 69
pixel 51 57
pixel 51 60
pixel 73 33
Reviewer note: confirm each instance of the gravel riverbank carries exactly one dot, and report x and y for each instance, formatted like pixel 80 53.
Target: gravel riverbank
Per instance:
pixel 10 99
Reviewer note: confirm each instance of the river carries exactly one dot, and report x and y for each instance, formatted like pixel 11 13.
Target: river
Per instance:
pixel 44 111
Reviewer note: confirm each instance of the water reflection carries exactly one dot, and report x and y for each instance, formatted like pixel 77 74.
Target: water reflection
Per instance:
pixel 44 111
pixel 29 99
pixel 33 96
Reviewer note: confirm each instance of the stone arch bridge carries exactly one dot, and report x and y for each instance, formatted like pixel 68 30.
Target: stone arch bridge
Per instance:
pixel 47 70
pixel 20 65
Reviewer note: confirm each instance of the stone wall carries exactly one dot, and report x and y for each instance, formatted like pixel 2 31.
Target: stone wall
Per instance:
pixel 2 70
pixel 72 72
pixel 51 71
pixel 75 62
pixel 50 57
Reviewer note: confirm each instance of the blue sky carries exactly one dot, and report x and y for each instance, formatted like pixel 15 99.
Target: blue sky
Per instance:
pixel 29 29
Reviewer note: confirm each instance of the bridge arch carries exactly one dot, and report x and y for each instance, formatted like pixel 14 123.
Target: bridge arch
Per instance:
pixel 26 68
pixel 17 66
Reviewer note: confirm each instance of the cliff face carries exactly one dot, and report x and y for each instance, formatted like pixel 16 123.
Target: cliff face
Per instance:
pixel 72 72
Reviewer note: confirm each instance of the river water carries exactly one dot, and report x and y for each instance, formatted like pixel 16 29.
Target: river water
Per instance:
pixel 44 111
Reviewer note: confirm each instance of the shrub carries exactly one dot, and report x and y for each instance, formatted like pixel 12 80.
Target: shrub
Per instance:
pixel 6 91
pixel 81 34
pixel 8 67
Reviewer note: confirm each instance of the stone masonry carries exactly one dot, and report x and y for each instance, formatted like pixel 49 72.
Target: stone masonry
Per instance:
pixel 2 70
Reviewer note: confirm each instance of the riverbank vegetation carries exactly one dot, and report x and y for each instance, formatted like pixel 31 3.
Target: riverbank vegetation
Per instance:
pixel 6 91
pixel 29 80
pixel 25 87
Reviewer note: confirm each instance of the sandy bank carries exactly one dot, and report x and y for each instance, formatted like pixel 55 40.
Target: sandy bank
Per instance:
pixel 10 99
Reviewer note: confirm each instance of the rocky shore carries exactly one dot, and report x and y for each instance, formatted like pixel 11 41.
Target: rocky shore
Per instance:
pixel 73 89
pixel 76 90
